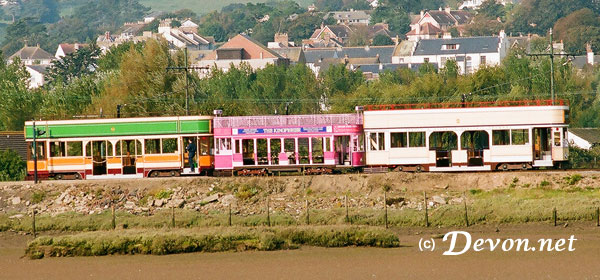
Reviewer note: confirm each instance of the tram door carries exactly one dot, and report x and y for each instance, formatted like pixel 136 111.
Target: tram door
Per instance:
pixel 342 149
pixel 542 145
pixel 186 158
pixel 98 152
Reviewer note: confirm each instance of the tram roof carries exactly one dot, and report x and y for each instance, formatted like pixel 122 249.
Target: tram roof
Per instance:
pixel 120 127
pixel 466 105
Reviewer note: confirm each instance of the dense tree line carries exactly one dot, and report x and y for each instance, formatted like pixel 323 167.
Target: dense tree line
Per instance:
pixel 137 75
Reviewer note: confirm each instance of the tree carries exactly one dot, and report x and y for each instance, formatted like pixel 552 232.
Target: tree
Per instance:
pixel 396 17
pixel 12 167
pixel 382 40
pixel 482 26
pixel 577 29
pixel 491 9
pixel 537 16
pixel 19 104
pixel 111 60
pixel 76 64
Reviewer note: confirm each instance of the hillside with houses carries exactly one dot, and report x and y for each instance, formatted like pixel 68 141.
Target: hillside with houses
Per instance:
pixel 277 57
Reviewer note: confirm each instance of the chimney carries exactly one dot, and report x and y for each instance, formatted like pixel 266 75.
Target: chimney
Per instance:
pixel 590 54
pixel 380 67
pixel 422 13
pixel 76 47
pixel 440 9
pixel 282 38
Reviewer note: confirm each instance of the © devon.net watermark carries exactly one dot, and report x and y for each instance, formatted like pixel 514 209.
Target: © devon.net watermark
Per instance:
pixel 506 245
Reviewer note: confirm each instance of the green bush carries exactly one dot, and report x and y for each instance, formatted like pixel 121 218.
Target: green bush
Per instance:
pixel 207 240
pixel 12 167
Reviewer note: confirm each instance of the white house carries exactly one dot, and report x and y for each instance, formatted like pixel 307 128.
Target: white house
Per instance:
pixel 435 23
pixel 36 73
pixel 470 53
pixel 584 138
pixel 32 55
pixel 351 17
pixel 64 49
pixel 185 36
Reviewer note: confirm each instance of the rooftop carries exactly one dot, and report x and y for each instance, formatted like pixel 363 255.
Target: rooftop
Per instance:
pixel 287 120
pixel 480 104
pixel 464 45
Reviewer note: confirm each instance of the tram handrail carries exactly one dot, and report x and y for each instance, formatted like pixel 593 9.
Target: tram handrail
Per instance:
pixel 476 104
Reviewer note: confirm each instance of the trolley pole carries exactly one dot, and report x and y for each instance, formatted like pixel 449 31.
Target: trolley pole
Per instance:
pixel 186 68
pixel 552 55
pixel 187 83
pixel 551 67
pixel 35 173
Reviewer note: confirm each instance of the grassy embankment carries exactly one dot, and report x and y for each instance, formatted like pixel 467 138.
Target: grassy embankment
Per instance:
pixel 499 206
pixel 207 240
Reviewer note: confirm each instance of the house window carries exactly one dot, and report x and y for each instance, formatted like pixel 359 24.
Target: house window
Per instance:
pixel 450 47
pixel 483 60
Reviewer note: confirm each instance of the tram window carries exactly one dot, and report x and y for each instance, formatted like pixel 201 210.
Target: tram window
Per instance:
pixel 520 136
pixel 169 145
pixel 88 149
pixel 109 149
pixel 57 149
pixel 416 139
pixel 398 139
pixel 373 142
pixel 41 151
pixel 557 138
pixel 359 142
pixel 74 149
pixel 204 146
pixel 236 147
pixel 501 137
pixel 327 144
pixel 152 146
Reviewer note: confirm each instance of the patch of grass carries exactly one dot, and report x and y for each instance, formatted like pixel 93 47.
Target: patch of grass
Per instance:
pixel 207 240
pixel 164 194
pixel 38 196
pixel 544 183
pixel 245 191
pixel 475 191
pixel 573 179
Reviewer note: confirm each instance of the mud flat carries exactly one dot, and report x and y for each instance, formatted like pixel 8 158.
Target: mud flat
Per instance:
pixel 405 262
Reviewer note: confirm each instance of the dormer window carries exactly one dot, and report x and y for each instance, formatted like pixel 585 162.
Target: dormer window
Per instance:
pixel 450 47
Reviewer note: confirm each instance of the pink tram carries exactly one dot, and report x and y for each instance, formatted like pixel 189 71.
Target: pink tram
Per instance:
pixel 314 144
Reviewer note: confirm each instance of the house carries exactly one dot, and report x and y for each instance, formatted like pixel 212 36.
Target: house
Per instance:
pixel 338 35
pixel 584 138
pixel 470 53
pixel 328 36
pixel 239 49
pixel 185 37
pixel 106 41
pixel 65 49
pixel 373 3
pixel 585 61
pixel 14 140
pixel 294 54
pixel 281 41
pixel 474 4
pixel 32 55
pixel 351 17
pixel 319 59
pixel 152 16
pixel 189 26
pixel 434 23
pixel 37 75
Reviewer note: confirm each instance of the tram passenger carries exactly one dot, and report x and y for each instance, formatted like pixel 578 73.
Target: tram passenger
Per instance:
pixel 191 149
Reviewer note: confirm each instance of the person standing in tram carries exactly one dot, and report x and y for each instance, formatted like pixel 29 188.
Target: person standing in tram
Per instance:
pixel 191 149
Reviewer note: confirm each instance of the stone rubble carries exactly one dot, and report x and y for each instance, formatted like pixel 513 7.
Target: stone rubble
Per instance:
pixel 96 199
